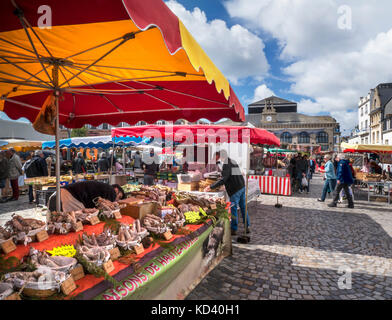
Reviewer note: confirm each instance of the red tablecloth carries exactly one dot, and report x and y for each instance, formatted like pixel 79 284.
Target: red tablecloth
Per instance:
pixel 274 185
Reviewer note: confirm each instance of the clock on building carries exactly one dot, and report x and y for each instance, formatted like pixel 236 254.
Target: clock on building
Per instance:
pixel 268 118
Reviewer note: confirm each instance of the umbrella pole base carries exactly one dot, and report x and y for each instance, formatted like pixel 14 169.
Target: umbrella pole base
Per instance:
pixel 243 239
pixel 278 205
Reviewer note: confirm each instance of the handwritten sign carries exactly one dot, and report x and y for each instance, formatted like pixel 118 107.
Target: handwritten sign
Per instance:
pixel 114 253
pixel 78 227
pixel 117 214
pixel 77 272
pixel 8 246
pixel 68 286
pixel 42 236
pixel 94 220
pixel 168 235
pixel 65 251
pixel 108 266
pixel 139 249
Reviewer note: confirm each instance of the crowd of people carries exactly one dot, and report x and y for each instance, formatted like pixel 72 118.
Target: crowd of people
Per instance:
pixel 301 170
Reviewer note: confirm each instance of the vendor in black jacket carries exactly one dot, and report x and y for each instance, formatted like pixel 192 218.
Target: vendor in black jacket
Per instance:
pixel 235 187
pixel 80 195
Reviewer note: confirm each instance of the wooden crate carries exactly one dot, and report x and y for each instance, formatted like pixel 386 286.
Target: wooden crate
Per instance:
pixel 139 210
pixel 193 186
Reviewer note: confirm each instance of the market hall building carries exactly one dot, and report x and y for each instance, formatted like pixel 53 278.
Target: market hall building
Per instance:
pixel 296 131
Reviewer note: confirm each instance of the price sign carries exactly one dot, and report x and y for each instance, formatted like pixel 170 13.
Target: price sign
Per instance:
pixel 8 246
pixel 68 286
pixel 139 249
pixel 108 266
pixel 65 251
pixel 42 236
pixel 94 220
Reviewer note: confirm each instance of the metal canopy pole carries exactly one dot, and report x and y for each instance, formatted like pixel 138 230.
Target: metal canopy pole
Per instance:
pixel 55 73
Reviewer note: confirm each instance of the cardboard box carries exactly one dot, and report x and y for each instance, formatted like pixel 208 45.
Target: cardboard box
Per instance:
pixel 193 186
pixel 139 210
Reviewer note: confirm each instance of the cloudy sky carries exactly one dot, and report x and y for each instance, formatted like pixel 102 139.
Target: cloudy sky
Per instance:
pixel 323 54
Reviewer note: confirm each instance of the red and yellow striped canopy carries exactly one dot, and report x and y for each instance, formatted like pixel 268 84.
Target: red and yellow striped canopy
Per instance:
pixel 118 61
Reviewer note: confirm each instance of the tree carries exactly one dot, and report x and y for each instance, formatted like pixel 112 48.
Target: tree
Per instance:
pixel 82 132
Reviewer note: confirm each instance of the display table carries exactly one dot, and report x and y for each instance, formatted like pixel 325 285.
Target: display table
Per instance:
pixel 274 185
pixel 162 272
pixel 374 187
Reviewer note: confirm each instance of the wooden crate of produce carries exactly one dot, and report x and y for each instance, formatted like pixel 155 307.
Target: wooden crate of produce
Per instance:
pixel 139 210
pixel 372 178
pixel 360 175
pixel 192 186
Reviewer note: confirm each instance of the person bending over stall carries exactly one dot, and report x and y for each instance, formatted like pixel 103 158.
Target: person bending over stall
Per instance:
pixel 81 195
pixel 235 187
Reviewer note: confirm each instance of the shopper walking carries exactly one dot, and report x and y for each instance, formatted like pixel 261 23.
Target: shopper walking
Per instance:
pixel 79 165
pixel 234 183
pixel 301 168
pixel 151 167
pixel 15 171
pixel 330 178
pixel 137 161
pixel 344 181
pixel 35 167
pixel 4 173
pixel 103 163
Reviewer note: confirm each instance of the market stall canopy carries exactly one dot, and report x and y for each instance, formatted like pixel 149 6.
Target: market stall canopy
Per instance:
pixel 110 61
pixel 3 143
pixel 365 148
pixel 281 151
pixel 201 134
pixel 20 145
pixel 103 142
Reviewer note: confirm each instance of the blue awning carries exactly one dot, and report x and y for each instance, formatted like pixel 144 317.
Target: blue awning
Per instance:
pixel 104 142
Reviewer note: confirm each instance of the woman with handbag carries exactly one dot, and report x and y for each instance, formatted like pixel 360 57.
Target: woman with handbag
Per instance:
pixel 330 178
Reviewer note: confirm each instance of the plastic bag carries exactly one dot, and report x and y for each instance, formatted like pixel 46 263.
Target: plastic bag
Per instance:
pixel 304 182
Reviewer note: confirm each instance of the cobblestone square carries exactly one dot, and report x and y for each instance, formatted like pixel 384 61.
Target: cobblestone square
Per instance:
pixel 302 250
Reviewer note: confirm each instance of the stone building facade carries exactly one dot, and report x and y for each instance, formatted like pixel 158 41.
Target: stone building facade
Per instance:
pixel 379 114
pixel 296 131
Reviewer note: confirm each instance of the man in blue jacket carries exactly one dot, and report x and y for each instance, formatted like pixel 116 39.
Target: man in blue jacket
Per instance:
pixel 345 180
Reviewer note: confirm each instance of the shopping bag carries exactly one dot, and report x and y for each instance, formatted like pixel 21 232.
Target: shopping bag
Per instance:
pixel 21 181
pixel 304 182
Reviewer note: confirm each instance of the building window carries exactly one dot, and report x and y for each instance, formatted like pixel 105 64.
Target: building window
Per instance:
pixel 322 137
pixel 303 138
pixel 286 138
pixel 324 148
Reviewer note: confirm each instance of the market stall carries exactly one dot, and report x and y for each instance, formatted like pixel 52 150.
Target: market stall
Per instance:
pixel 21 145
pixel 94 142
pixel 377 184
pixel 235 140
pixel 118 250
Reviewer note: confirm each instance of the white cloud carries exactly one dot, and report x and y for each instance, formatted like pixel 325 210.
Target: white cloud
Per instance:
pixel 236 51
pixel 306 27
pixel 330 66
pixel 336 81
pixel 262 92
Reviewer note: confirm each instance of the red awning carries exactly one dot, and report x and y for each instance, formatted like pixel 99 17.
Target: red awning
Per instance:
pixel 201 134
